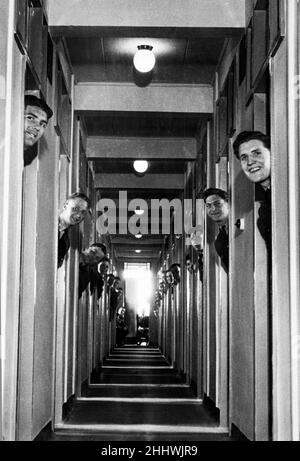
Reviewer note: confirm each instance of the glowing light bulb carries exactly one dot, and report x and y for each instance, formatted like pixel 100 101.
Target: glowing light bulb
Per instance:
pixel 144 59
pixel 139 211
pixel 140 166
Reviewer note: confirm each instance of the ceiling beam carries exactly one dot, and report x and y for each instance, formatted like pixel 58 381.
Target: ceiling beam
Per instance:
pixel 190 14
pixel 132 241
pixel 143 259
pixel 130 181
pixel 131 248
pixel 193 73
pixel 100 147
pixel 124 97
pixel 136 256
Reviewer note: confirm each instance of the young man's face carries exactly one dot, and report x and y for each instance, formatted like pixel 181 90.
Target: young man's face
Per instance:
pixel 104 268
pixel 255 161
pixel 35 123
pixel 94 255
pixel 116 284
pixel 217 208
pixel 169 278
pixel 74 211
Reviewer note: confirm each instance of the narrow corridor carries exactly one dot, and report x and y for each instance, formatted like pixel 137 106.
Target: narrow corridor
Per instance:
pixel 137 395
pixel 150 220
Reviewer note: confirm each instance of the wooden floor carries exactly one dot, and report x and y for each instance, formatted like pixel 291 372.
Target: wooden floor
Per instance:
pixel 138 396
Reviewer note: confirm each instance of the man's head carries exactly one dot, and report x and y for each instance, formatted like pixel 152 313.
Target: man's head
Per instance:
pixel 252 148
pixel 175 269
pixel 169 278
pixel 188 263
pixel 36 116
pixel 116 283
pixel 104 266
pixel 94 254
pixel 110 280
pixel 216 202
pixel 121 311
pixel 74 210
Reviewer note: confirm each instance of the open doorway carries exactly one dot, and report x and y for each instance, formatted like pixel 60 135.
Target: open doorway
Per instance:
pixel 138 295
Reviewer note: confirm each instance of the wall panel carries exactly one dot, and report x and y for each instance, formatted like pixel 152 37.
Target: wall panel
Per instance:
pixel 11 151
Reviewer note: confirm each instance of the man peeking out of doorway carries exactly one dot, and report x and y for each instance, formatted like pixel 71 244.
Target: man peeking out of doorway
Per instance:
pixel 36 116
pixel 75 209
pixel 252 149
pixel 217 208
pixel 88 269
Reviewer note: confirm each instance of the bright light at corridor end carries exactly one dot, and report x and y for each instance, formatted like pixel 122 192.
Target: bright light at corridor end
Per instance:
pixel 140 166
pixel 144 59
pixel 139 287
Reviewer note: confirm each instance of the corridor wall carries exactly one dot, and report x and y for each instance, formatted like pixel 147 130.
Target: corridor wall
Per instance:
pixel 11 162
pixel 29 311
pixel 246 106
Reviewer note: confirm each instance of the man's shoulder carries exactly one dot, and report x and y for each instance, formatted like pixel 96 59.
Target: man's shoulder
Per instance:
pixel 262 194
pixel 64 235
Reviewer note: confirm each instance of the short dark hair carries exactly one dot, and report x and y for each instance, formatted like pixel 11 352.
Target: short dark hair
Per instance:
pixel 82 196
pixel 100 245
pixel 214 191
pixel 174 266
pixel 31 100
pixel 105 259
pixel 246 136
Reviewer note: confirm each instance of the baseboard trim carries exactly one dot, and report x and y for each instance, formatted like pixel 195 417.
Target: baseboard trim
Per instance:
pixel 211 407
pixel 66 409
pixel 238 435
pixel 45 434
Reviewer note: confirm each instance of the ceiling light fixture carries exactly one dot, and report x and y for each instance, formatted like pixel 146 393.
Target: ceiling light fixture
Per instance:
pixel 140 166
pixel 144 59
pixel 138 236
pixel 139 211
pixel 138 251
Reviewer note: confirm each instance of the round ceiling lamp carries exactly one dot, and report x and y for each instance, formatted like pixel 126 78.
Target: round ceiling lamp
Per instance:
pixel 139 211
pixel 138 236
pixel 138 251
pixel 144 59
pixel 140 166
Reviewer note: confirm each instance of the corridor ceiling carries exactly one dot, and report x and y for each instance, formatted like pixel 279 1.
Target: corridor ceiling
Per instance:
pixel 158 121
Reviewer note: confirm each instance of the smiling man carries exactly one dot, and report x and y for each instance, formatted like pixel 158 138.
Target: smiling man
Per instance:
pixel 252 148
pixel 88 269
pixel 217 208
pixel 73 212
pixel 36 116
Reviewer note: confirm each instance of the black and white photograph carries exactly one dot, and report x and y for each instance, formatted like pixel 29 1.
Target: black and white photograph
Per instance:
pixel 149 225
